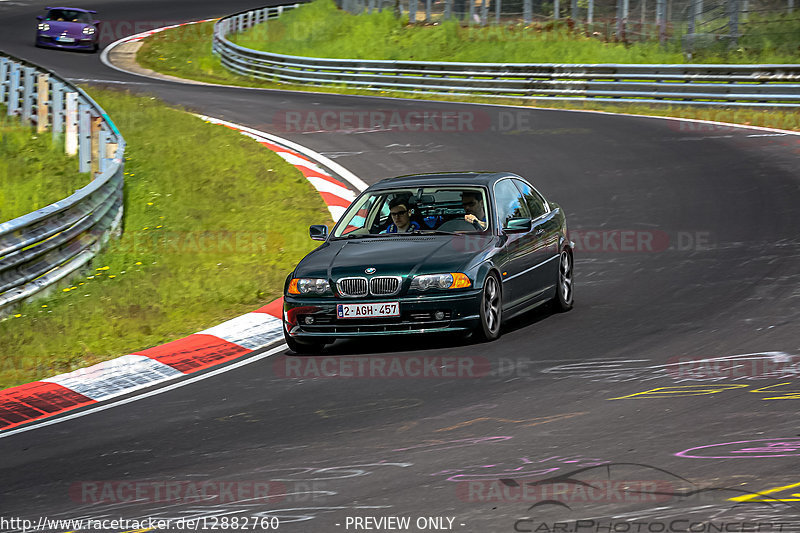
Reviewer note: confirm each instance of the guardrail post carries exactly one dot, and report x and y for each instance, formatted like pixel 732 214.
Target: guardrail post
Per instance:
pixel 27 93
pixel 102 144
pixel 527 11
pixel 111 149
pixel 412 11
pixel 427 10
pixel 71 121
pixel 590 12
pixel 471 11
pixel 497 10
pixel 94 142
pixel 3 75
pixel 573 10
pixel 57 108
pixel 84 138
pixel 13 90
pixel 42 102
pixel 448 9
pixel 485 12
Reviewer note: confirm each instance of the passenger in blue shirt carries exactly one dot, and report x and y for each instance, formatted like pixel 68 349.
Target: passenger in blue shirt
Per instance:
pixel 401 216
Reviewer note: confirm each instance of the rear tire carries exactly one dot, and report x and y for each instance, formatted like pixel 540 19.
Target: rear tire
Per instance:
pixel 491 310
pixel 564 298
pixel 300 347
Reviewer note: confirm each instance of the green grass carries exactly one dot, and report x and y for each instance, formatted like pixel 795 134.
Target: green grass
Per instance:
pixel 34 170
pixel 186 53
pixel 213 223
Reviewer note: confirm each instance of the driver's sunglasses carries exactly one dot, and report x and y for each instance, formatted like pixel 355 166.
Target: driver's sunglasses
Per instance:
pixel 399 213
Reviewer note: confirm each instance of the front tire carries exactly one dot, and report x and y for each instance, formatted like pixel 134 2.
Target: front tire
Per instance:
pixel 564 298
pixel 302 348
pixel 491 310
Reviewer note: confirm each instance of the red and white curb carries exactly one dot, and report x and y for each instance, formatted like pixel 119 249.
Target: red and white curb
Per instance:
pixel 145 34
pixel 230 340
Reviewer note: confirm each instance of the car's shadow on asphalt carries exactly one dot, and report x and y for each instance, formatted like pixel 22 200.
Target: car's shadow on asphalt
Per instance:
pixel 406 343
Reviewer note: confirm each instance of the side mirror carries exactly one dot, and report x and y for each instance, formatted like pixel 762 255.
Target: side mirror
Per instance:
pixel 518 225
pixel 39 17
pixel 318 232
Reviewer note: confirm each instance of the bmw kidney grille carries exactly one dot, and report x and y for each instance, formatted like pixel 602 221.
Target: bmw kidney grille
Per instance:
pixel 377 286
pixel 384 285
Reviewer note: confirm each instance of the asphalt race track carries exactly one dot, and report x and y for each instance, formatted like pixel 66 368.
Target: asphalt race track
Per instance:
pixel 687 249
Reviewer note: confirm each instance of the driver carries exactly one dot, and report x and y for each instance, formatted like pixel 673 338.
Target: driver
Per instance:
pixel 401 216
pixel 472 201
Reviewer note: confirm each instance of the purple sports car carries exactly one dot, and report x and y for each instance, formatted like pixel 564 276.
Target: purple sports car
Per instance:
pixel 68 28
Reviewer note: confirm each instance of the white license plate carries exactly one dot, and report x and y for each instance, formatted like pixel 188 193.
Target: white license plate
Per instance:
pixel 66 40
pixel 374 310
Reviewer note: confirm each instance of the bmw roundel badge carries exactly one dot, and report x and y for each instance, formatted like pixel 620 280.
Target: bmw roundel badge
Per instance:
pixel 370 270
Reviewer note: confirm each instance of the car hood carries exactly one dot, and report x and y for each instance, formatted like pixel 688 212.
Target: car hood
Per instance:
pixel 393 256
pixel 71 28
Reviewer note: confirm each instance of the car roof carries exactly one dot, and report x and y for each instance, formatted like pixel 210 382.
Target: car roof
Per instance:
pixel 475 179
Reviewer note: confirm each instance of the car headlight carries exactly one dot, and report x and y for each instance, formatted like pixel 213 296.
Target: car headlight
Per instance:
pixel 44 26
pixel 302 286
pixel 88 30
pixel 452 280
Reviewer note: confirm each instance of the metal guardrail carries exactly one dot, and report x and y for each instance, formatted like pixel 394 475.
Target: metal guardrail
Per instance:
pixel 727 85
pixel 43 247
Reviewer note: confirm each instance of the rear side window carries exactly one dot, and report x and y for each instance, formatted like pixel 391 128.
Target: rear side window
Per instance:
pixel 536 204
pixel 510 203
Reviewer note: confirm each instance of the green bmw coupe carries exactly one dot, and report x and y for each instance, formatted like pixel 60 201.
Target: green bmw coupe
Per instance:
pixel 431 253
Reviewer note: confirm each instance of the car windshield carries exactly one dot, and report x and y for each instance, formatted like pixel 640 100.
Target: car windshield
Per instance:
pixel 420 210
pixel 69 15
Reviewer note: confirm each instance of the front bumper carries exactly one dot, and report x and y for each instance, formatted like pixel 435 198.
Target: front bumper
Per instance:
pixel 79 44
pixel 417 315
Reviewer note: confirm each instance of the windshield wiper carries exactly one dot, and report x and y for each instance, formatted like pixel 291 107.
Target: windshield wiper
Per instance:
pixel 437 232
pixel 357 235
